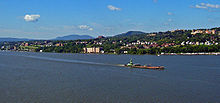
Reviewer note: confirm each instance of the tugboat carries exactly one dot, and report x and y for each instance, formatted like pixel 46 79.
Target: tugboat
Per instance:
pixel 132 65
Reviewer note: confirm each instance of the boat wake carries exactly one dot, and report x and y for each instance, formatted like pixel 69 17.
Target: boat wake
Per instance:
pixel 71 61
pixel 60 60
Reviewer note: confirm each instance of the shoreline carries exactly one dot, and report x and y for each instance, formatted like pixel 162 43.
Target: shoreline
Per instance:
pixel 202 53
pixel 184 54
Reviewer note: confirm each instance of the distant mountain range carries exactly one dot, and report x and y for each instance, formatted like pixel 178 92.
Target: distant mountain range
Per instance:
pixel 14 39
pixel 74 37
pixel 68 37
pixel 129 33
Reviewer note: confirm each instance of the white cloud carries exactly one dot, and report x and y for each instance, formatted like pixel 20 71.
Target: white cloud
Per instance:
pixel 200 7
pixel 206 6
pixel 31 18
pixel 85 27
pixel 211 5
pixel 113 8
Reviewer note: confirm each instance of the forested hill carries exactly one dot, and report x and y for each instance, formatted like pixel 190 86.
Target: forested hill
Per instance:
pixel 176 36
pixel 176 41
pixel 130 33
pixel 73 37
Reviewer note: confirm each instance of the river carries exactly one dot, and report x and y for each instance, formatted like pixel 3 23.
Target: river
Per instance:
pixel 27 77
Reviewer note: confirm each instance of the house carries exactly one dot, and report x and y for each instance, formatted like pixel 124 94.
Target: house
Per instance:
pixel 208 32
pixel 213 31
pixel 207 43
pixel 183 43
pixel 196 31
pixel 151 34
pixel 146 46
pixel 26 44
pixel 125 52
pixel 15 48
pixel 59 44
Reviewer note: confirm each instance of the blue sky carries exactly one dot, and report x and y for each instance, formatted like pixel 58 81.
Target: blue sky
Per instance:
pixel 46 19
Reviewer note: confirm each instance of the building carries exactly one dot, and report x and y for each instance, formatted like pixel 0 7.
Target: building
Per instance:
pixel 59 44
pixel 146 46
pixel 203 32
pixel 15 48
pixel 26 44
pixel 125 52
pixel 151 34
pixel 93 50
pixel 196 32
pixel 213 31
pixel 208 32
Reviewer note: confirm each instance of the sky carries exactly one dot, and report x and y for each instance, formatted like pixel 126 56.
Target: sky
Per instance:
pixel 47 19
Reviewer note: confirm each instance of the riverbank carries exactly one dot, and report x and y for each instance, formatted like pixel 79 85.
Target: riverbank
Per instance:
pixel 213 53
pixel 217 53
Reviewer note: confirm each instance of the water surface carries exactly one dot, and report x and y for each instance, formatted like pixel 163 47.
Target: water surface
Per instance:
pixel 66 78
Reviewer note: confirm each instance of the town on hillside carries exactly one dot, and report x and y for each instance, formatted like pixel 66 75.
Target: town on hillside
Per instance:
pixel 198 41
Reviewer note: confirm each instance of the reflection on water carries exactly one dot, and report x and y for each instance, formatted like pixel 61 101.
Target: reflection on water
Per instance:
pixel 67 78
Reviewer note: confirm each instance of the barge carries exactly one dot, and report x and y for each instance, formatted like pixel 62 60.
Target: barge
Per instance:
pixel 131 65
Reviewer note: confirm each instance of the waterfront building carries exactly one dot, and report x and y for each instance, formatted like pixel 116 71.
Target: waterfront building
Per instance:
pixel 93 50
pixel 125 52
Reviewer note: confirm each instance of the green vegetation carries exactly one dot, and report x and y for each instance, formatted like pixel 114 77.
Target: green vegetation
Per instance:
pixel 68 48
pixel 114 44
pixel 178 41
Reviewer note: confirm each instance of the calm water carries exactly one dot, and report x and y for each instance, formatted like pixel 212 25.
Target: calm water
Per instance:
pixel 69 78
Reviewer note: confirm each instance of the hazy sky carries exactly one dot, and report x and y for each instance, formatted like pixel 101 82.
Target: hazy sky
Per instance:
pixel 45 19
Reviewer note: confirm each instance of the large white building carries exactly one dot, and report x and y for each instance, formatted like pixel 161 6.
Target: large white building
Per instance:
pixel 93 50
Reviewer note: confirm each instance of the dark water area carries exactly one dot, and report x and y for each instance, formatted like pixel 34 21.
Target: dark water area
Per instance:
pixel 89 78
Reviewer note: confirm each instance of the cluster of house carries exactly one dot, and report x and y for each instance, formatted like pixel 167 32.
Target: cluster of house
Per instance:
pixel 39 43
pixel 125 45
pixel 205 32
pixel 24 45
pixel 199 43
pixel 145 45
